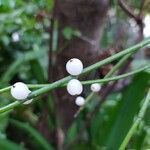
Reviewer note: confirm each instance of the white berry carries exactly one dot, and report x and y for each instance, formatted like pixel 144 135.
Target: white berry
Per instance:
pixel 95 87
pixel 74 66
pixel 15 37
pixel 20 91
pixel 74 87
pixel 80 101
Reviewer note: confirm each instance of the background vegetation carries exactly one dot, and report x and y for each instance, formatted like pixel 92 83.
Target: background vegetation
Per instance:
pixel 30 50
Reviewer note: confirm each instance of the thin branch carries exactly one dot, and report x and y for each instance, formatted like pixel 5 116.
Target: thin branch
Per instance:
pixel 137 17
pixel 123 68
pixel 110 73
pixel 17 103
pixel 116 77
pixel 128 10
pixel 105 80
pixel 86 70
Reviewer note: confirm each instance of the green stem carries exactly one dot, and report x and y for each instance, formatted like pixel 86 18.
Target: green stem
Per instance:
pixel 49 87
pixel 136 123
pixel 4 90
pixel 105 80
pixel 118 65
pixel 53 86
pixel 90 68
pixel 9 107
pixel 60 82
pixel 111 72
pixel 116 56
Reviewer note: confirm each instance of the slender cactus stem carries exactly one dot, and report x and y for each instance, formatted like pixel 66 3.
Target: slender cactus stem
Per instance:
pixel 110 73
pixel 17 103
pixel 63 81
pixel 90 68
pixel 9 107
pixel 137 122
pixel 118 65
pixel 4 90
pixel 116 56
pixel 105 80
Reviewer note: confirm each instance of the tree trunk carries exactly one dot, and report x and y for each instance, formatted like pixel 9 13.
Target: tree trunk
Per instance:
pixel 86 16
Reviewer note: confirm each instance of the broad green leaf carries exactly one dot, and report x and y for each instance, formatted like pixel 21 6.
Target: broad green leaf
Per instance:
pixel 36 136
pixel 37 71
pixel 9 145
pixel 101 123
pixel 129 107
pixel 71 133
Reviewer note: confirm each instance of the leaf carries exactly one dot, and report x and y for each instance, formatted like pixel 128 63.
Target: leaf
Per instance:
pixel 101 123
pixel 37 71
pixel 3 122
pixel 82 146
pixel 36 136
pixel 129 107
pixel 137 141
pixel 72 133
pixel 15 66
pixel 9 145
pixel 69 32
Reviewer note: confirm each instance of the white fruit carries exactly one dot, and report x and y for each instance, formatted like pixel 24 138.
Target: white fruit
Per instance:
pixel 20 91
pixel 74 87
pixel 74 66
pixel 95 87
pixel 15 37
pixel 80 101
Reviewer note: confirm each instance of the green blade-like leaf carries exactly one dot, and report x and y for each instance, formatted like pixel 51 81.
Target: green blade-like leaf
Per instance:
pixel 9 145
pixel 129 107
pixel 36 136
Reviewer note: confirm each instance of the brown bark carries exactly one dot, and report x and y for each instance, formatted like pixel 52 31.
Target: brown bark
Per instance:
pixel 86 16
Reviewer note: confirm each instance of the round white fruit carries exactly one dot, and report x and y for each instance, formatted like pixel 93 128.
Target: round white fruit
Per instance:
pixel 80 101
pixel 74 87
pixel 20 91
pixel 95 87
pixel 74 66
pixel 15 37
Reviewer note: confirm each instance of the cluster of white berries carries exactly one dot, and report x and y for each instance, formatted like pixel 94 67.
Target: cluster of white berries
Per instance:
pixel 74 87
pixel 74 66
pixel 20 91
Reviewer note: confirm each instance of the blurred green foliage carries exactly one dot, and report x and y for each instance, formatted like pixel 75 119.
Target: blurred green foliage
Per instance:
pixel 24 42
pixel 28 24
